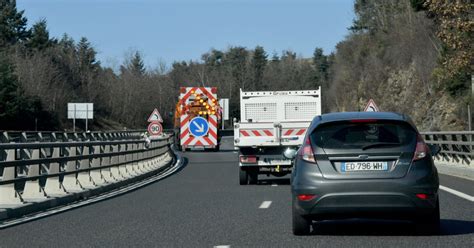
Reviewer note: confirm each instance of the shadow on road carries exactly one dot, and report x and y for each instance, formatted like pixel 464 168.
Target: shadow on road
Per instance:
pixel 278 181
pixel 386 228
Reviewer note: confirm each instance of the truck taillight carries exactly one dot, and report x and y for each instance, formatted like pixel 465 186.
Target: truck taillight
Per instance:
pixel 248 159
pixel 421 149
pixel 306 151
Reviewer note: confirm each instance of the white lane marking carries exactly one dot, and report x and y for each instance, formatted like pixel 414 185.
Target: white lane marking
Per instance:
pixel 274 185
pixel 222 246
pixel 458 193
pixel 265 204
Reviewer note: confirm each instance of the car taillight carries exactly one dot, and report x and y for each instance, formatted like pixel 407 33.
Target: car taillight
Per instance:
pixel 421 148
pixel 306 197
pixel 248 159
pixel 422 196
pixel 306 151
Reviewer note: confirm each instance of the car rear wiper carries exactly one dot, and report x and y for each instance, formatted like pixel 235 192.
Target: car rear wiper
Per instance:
pixel 380 144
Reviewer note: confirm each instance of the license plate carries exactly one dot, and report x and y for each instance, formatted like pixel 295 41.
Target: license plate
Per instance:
pixel 364 166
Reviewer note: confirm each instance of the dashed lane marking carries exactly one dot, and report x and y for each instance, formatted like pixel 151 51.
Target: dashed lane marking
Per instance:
pixel 457 193
pixel 222 246
pixel 265 204
pixel 274 185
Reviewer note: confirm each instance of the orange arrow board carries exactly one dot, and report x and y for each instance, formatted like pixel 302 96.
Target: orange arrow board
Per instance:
pixel 371 107
pixel 155 117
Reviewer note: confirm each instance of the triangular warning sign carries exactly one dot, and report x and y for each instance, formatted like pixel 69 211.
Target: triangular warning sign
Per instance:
pixel 155 116
pixel 371 107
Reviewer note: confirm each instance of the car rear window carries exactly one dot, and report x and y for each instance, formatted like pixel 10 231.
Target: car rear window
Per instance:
pixel 361 134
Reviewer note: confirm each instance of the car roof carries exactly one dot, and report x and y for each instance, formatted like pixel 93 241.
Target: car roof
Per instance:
pixel 347 116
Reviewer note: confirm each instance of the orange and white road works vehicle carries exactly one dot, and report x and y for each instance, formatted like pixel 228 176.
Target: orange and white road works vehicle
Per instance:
pixel 197 118
pixel 271 122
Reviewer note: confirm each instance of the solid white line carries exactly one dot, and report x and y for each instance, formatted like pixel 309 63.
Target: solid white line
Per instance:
pixel 265 204
pixel 458 193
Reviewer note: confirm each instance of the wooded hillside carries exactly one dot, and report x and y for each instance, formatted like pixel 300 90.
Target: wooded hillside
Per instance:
pixel 413 57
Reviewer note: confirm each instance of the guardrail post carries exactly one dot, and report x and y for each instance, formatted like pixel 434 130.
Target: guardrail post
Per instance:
pixel 114 161
pixel 106 171
pixel 53 186
pixel 84 177
pixel 8 195
pixel 140 147
pixel 70 182
pixel 122 160
pixel 33 191
pixel 130 162
pixel 96 174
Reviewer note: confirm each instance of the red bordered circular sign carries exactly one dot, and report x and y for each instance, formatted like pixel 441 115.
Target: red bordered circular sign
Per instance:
pixel 155 128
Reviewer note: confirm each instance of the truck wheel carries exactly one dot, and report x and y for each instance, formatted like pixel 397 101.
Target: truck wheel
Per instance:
pixel 243 177
pixel 216 149
pixel 253 176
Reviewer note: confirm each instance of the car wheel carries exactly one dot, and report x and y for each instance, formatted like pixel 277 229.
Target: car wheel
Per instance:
pixel 243 176
pixel 253 176
pixel 301 225
pixel 429 224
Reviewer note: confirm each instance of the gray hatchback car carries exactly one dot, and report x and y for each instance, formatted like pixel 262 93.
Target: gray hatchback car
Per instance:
pixel 364 165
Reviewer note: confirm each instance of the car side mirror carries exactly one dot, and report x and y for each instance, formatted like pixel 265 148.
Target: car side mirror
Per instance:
pixel 289 153
pixel 435 149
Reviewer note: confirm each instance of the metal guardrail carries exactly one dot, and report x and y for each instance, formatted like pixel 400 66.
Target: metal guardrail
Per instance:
pixel 18 136
pixel 38 165
pixel 457 147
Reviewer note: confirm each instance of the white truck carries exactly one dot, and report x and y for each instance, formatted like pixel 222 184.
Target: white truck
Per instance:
pixel 271 122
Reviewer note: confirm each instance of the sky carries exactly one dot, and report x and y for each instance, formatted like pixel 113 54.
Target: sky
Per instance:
pixel 165 31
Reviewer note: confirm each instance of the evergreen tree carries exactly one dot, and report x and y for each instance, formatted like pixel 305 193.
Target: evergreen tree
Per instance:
pixel 236 59
pixel 40 36
pixel 321 66
pixel 12 24
pixel 18 112
pixel 137 66
pixel 259 61
pixel 86 56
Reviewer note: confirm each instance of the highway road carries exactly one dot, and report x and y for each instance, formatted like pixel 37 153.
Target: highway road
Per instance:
pixel 203 205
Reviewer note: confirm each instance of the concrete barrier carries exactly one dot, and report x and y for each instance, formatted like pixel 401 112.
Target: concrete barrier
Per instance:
pixel 62 172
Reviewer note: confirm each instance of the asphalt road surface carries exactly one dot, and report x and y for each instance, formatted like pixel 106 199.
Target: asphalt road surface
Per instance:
pixel 204 206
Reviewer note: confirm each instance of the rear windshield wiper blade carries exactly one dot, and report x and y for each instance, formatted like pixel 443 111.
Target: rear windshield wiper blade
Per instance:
pixel 380 144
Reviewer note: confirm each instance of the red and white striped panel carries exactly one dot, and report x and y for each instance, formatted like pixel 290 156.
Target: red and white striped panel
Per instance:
pixel 186 138
pixel 184 97
pixel 293 131
pixel 256 132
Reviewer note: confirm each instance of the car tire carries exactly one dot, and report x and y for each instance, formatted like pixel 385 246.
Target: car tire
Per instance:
pixel 301 225
pixel 253 176
pixel 243 176
pixel 429 224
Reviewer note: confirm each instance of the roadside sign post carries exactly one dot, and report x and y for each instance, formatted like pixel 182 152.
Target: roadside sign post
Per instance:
pixel 224 104
pixel 371 106
pixel 155 128
pixel 80 111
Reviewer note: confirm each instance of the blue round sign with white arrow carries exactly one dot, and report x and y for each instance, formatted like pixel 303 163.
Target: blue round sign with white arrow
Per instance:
pixel 198 127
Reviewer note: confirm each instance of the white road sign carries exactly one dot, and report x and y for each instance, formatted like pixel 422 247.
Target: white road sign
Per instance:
pixel 371 107
pixel 224 103
pixel 155 116
pixel 155 129
pixel 80 110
